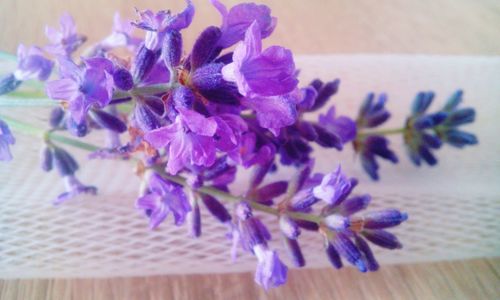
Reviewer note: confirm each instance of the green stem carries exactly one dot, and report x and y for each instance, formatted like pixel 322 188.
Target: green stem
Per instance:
pixel 390 131
pixel 38 132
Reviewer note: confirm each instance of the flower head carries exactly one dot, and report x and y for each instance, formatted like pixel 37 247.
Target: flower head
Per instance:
pixel 157 24
pixel 66 40
pixel 83 87
pixel 236 21
pixel 162 198
pixel 189 140
pixel 372 114
pixel 32 63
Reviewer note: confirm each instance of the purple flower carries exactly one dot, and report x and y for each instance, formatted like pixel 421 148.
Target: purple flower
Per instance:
pixel 372 112
pixel 189 140
pixel 230 129
pixel 273 112
pixel 248 154
pixel 342 126
pixel 334 187
pixel 370 147
pixel 266 73
pixel 252 235
pixel 163 197
pixel 236 22
pixel 271 272
pixel 73 188
pixel 120 36
pixel 66 40
pixel 83 88
pixel 6 139
pixel 32 64
pixel 157 24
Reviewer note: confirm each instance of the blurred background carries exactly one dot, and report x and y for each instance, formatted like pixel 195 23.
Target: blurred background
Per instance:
pixel 433 27
pixel 314 26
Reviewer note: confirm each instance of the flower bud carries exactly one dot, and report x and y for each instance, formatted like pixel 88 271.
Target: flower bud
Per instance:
pixel 46 157
pixel 8 84
pixel 295 252
pixel 144 62
pixel 172 49
pixel 123 79
pixel 289 227
pixel 108 121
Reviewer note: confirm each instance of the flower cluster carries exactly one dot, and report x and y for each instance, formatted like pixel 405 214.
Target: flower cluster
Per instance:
pixel 191 117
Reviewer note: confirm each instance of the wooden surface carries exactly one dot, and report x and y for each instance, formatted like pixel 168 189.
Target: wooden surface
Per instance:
pixel 319 26
pixel 473 279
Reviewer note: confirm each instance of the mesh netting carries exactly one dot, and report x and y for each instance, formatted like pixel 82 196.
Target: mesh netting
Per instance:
pixel 454 208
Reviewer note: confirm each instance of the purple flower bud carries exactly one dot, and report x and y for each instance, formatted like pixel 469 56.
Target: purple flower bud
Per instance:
pixel 327 138
pixel 145 117
pixel 288 227
pixel 144 62
pixel 348 250
pixel 304 199
pixel 78 129
pixel 307 225
pixel 354 205
pixel 336 222
pixel 384 219
pixel 422 101
pixel 208 80
pixel 64 162
pixel 271 191
pixel 307 131
pixel 123 79
pixel 216 208
pixel 194 219
pixel 368 257
pixel 8 84
pixel 293 247
pixel 382 238
pixel 205 48
pixel 46 157
pixel 333 256
pixel 183 97
pixel 324 93
pixel 172 49
pixel 108 121
pixel 429 121
pixel 309 95
pixel 56 117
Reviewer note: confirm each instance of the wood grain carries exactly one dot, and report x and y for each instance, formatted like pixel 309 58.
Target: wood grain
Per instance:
pixel 318 26
pixel 473 279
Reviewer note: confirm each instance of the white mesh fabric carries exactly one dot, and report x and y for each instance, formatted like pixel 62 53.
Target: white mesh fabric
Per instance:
pixel 454 208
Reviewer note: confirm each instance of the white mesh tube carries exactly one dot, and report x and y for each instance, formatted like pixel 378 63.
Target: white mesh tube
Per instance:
pixel 454 208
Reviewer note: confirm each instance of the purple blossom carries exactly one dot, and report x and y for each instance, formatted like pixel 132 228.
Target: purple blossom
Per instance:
pixel 252 235
pixel 236 21
pixel 163 197
pixel 66 40
pixel 6 139
pixel 32 64
pixel 265 73
pixel 334 187
pixel 369 148
pixel 120 36
pixel 73 188
pixel 157 24
pixel 271 272
pixel 342 126
pixel 83 87
pixel 189 140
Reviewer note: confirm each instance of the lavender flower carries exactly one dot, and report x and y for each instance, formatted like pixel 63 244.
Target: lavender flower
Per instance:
pixel 157 24
pixel 73 188
pixel 83 88
pixel 252 235
pixel 189 140
pixel 162 198
pixel 32 64
pixel 342 126
pixel 372 114
pixel 6 139
pixel 236 21
pixel 66 40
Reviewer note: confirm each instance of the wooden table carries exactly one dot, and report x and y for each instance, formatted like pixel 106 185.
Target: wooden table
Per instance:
pixel 319 26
